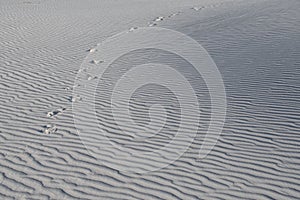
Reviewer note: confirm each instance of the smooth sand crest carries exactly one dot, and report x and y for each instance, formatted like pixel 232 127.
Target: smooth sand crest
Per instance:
pixel 254 44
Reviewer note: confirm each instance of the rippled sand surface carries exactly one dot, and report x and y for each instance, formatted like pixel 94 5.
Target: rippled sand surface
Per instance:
pixel 256 48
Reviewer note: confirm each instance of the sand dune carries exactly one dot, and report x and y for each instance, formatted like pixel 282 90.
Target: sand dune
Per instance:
pixel 256 48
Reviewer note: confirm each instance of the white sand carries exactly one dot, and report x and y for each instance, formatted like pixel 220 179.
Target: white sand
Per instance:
pixel 256 48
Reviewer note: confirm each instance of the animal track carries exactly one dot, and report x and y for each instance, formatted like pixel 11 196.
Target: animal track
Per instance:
pixel 174 14
pixel 96 62
pixel 50 129
pixel 56 112
pixel 92 50
pixel 132 29
pixel 152 24
pixel 198 8
pixel 70 88
pixel 76 98
pixel 158 19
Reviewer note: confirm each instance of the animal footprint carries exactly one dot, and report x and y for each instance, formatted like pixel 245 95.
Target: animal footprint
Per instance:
pixel 92 50
pixel 89 77
pixel 158 19
pixel 132 29
pixel 174 14
pixel 56 112
pixel 50 129
pixel 70 88
pixel 76 98
pixel 96 62
pixel 197 8
pixel 152 24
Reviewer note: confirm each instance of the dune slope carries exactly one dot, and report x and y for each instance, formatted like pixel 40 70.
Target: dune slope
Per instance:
pixel 256 48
